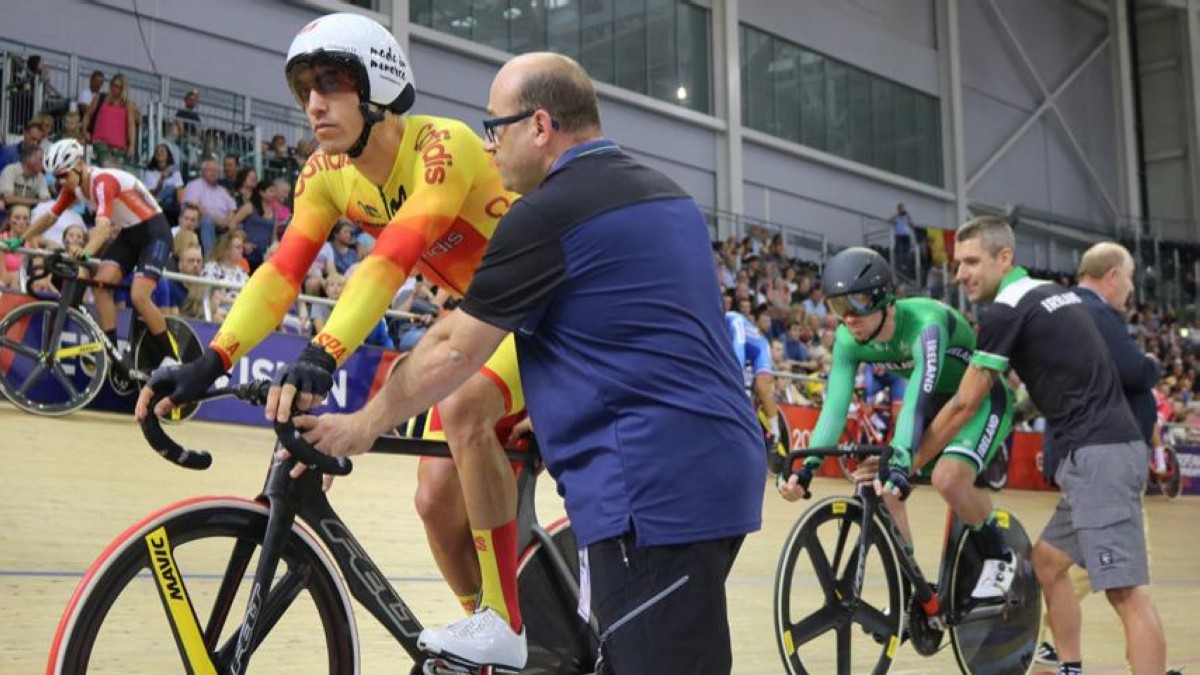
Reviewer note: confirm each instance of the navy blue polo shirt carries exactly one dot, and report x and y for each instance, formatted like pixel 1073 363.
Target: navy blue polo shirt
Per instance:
pixel 605 274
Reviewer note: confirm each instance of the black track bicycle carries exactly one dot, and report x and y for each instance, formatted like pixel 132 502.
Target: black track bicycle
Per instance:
pixel 849 592
pixel 164 595
pixel 54 358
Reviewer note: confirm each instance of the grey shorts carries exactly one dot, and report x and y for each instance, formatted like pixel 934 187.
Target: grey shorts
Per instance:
pixel 1098 521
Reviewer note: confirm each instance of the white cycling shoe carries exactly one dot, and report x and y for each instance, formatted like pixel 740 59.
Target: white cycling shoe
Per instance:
pixel 483 640
pixel 996 577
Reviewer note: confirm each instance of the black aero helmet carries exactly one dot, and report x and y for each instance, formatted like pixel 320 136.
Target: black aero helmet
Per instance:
pixel 857 281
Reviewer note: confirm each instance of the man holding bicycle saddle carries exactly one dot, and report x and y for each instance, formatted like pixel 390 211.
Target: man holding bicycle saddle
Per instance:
pixel 131 235
pixel 427 190
pixel 931 344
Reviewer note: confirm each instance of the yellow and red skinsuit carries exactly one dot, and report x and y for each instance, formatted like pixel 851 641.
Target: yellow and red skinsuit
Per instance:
pixel 435 214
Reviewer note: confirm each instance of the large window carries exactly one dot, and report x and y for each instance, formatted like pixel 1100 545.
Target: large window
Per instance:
pixel 809 98
pixel 654 47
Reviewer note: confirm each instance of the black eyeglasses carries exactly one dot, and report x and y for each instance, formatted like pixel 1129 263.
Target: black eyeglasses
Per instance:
pixel 490 125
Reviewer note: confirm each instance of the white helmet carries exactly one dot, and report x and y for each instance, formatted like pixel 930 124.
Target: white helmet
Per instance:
pixel 384 75
pixel 62 156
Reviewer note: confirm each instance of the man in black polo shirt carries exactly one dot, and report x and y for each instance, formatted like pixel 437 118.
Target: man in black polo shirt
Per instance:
pixel 603 270
pixel 1044 332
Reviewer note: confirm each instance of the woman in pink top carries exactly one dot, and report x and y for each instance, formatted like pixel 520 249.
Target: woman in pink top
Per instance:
pixel 14 226
pixel 112 122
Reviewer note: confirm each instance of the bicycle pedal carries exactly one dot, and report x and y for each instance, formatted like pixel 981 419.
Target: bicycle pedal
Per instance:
pixel 443 666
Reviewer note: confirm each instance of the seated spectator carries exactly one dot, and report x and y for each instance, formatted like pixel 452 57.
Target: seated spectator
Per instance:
pixel 418 300
pixel 47 124
pixel 115 127
pixel 342 243
pixel 260 221
pixel 305 147
pixel 322 268
pixel 768 328
pixel 72 128
pixel 245 180
pixel 280 159
pixel 24 183
pixel 165 182
pixel 225 264
pixel 230 166
pixel 215 203
pixel 89 93
pixel 189 220
pixel 815 303
pixel 283 197
pixel 52 236
pixel 187 297
pixel 33 134
pixel 16 223
pixel 795 350
pixel 334 285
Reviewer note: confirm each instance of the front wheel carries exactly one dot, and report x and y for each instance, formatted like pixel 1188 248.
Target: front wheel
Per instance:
pixel 823 629
pixel 559 640
pixel 997 639
pixel 160 597
pixel 46 369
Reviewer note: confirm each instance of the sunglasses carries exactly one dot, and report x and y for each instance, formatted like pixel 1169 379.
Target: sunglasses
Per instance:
pixel 327 77
pixel 492 124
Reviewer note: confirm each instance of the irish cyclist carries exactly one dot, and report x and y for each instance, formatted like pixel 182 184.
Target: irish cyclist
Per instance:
pixel 427 190
pixel 930 344
pixel 131 235
pixel 751 349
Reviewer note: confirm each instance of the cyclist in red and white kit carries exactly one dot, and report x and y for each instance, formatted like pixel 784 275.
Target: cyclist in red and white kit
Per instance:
pixel 131 234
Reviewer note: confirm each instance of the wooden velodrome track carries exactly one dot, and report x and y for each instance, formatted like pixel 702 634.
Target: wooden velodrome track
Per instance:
pixel 72 484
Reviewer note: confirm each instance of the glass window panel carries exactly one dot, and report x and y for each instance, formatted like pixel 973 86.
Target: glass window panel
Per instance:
pixel 694 57
pixel 858 86
pixel 527 30
pixel 758 91
pixel 490 25
pixel 837 109
pixel 883 124
pixel 562 32
pixel 598 47
pixel 630 40
pixel 904 104
pixel 453 17
pixel 929 135
pixel 786 82
pixel 421 12
pixel 662 75
pixel 812 100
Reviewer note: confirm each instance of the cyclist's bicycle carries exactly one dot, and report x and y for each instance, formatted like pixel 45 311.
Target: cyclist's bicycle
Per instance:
pixel 294 565
pixel 871 595
pixel 54 358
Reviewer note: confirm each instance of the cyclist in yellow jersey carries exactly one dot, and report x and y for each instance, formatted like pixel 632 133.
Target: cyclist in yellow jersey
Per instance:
pixel 427 190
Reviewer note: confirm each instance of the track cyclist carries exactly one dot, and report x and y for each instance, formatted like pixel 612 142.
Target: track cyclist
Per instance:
pixel 131 235
pixel 426 188
pixel 751 348
pixel 931 344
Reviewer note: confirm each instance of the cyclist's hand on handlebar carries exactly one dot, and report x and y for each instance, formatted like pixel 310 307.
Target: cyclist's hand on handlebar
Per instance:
pixel 867 470
pixel 311 376
pixel 893 473
pixel 522 428
pixel 182 384
pixel 794 486
pixel 335 435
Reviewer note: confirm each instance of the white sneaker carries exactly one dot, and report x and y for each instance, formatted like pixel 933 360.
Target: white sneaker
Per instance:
pixel 996 577
pixel 482 639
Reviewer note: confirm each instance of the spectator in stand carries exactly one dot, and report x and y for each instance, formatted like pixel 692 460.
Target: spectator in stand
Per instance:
pixel 37 74
pixel 72 127
pixel 190 261
pixel 182 241
pixel 280 158
pixel 24 183
pixel 345 253
pixel 283 197
pixel 762 321
pixel 260 221
pixel 46 122
pixel 726 276
pixel 115 117
pixel 34 133
pixel 305 147
pixel 189 219
pixel 814 305
pixel 86 96
pixel 214 201
pixel 795 349
pixel 776 251
pixel 165 182
pixel 187 118
pixel 56 232
pixel 15 225
pixel 903 236
pixel 334 285
pixel 230 167
pixel 246 181
pixel 226 264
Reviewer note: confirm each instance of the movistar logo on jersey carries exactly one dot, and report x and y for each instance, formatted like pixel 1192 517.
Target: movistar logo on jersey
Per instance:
pixel 1061 300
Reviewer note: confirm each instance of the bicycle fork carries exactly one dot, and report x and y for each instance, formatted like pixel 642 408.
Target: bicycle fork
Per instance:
pixel 930 603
